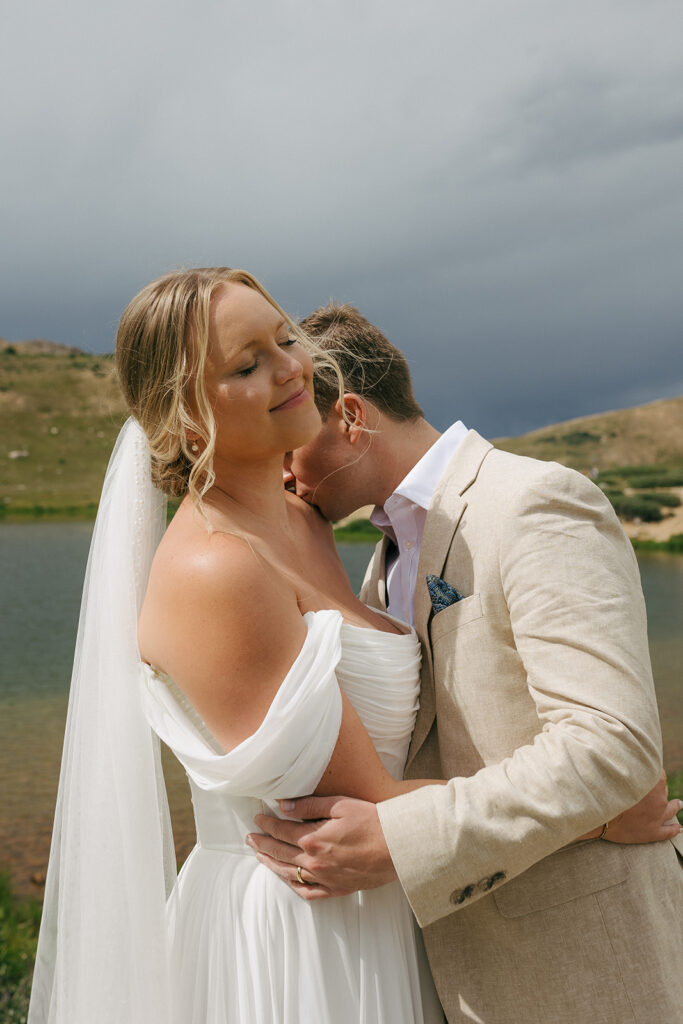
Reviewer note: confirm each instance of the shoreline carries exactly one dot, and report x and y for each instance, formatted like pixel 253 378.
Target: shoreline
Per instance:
pixel 355 529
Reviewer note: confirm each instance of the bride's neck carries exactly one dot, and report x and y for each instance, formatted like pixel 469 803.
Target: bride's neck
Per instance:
pixel 253 494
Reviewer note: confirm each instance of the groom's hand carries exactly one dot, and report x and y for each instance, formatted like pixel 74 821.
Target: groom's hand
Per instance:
pixel 337 842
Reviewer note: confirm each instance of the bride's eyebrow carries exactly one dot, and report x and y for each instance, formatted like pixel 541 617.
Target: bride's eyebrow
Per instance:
pixel 257 341
pixel 236 353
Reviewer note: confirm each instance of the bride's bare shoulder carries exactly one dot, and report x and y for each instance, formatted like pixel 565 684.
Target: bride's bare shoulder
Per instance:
pixel 206 583
pixel 221 623
pixel 189 553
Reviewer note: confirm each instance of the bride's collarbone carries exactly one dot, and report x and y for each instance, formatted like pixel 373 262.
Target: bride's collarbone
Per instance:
pixel 309 563
pixel 352 610
pixel 320 582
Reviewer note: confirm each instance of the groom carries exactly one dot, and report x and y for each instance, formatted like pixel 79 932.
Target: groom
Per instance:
pixel 536 702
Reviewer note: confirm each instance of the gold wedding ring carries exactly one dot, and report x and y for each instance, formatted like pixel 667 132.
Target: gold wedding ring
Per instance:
pixel 298 876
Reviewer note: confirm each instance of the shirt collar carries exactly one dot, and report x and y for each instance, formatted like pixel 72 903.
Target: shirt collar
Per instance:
pixel 420 483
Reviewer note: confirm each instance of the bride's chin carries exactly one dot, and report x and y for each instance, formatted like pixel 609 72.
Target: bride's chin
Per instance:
pixel 303 433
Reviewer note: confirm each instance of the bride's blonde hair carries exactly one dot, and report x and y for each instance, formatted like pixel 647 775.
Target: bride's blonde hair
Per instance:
pixel 161 351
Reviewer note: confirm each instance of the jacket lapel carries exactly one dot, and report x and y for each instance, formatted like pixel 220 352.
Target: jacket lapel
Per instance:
pixel 443 518
pixel 374 589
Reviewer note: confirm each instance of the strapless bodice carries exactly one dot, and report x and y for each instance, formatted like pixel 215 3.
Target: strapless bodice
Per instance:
pixel 286 756
pixel 380 674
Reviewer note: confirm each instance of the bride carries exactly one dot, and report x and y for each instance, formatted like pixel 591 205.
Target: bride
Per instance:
pixel 260 669
pixel 235 638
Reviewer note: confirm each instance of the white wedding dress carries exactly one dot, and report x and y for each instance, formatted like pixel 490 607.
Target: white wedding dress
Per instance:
pixel 245 949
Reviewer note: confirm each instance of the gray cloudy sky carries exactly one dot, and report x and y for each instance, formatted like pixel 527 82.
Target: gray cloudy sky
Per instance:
pixel 498 185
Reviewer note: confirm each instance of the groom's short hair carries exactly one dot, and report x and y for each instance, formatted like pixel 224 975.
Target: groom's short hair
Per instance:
pixel 370 365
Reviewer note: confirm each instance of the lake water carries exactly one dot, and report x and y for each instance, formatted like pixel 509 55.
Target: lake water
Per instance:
pixel 42 567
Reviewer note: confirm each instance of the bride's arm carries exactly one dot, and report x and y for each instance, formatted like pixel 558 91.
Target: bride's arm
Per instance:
pixel 355 768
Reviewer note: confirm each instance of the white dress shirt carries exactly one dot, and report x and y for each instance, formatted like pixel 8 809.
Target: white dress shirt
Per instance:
pixel 403 518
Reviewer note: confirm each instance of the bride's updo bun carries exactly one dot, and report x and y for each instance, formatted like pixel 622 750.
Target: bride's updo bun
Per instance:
pixel 161 351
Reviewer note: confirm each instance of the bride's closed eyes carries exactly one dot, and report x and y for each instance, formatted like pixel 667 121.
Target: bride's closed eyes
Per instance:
pixel 248 370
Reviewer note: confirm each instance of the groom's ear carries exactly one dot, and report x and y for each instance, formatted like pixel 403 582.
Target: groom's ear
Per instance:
pixel 352 411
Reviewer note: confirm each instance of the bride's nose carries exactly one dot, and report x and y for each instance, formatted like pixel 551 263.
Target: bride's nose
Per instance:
pixel 288 368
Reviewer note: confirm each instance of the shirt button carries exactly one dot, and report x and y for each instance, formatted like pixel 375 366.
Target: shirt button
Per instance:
pixel 409 544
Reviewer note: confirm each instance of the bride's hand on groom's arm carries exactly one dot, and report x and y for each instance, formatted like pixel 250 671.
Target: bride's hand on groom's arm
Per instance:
pixel 652 820
pixel 649 821
pixel 338 845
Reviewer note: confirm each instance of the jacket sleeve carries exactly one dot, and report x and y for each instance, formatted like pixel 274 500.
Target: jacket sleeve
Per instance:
pixel 577 615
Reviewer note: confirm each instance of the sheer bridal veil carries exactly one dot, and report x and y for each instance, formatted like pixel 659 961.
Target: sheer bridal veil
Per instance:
pixel 102 948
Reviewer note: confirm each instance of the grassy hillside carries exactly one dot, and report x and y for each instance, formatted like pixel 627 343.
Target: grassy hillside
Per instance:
pixel 647 435
pixel 60 412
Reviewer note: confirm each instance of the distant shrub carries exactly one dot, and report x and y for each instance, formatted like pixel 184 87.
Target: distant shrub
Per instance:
pixel 673 544
pixel 636 506
pixel 643 476
pixel 670 478
pixel 606 480
pixel 578 437
pixel 631 472
pixel 664 499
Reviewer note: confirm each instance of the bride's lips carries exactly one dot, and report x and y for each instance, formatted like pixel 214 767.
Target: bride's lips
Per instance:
pixel 297 398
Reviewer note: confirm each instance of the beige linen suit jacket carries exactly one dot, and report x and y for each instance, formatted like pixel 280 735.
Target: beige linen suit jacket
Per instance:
pixel 537 703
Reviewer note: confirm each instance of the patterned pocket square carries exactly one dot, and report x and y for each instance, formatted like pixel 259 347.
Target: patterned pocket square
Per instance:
pixel 443 595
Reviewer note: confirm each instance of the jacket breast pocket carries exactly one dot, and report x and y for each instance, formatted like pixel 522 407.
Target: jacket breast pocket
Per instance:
pixel 455 616
pixel 576 871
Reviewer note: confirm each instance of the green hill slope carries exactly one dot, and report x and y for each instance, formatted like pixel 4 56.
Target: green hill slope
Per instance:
pixel 647 435
pixel 60 412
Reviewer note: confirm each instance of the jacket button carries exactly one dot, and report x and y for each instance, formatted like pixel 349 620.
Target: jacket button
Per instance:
pixel 460 895
pixel 486 884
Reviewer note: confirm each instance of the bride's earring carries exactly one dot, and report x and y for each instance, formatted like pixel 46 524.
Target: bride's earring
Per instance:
pixel 194 447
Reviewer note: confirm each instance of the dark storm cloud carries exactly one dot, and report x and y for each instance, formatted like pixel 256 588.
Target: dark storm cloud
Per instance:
pixel 497 185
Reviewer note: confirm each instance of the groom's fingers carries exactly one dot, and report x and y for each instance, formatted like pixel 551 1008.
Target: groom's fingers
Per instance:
pixel 310 808
pixel 286 831
pixel 671 812
pixel 284 853
pixel 307 889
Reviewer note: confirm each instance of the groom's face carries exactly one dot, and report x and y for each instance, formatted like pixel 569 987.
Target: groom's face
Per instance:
pixel 323 472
